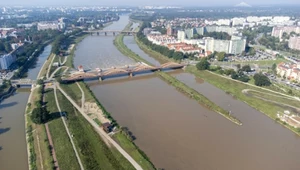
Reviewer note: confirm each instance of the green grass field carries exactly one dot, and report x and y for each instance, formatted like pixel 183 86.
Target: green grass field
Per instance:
pixel 63 147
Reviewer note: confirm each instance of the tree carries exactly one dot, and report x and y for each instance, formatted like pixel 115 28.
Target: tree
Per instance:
pixel 246 68
pixel 274 66
pixel 252 51
pixel 203 64
pixel 261 80
pixel 228 71
pixel 36 116
pixel 238 66
pixel 221 56
pixel 234 75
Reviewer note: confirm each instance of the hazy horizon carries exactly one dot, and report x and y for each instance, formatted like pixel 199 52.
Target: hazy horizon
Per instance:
pixel 142 3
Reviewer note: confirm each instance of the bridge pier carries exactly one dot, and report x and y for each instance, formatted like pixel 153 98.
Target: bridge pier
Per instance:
pixel 114 33
pixel 98 33
pixel 105 33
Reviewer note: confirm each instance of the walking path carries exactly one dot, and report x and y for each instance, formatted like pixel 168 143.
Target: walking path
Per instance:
pixel 49 67
pixel 41 157
pixel 52 147
pixel 101 131
pixel 67 129
pixel 83 96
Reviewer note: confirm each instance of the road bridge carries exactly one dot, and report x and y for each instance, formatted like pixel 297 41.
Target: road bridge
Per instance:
pixel 113 32
pixel 101 74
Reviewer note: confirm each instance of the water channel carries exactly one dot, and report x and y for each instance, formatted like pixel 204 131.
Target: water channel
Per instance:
pixel 178 133
pixel 13 152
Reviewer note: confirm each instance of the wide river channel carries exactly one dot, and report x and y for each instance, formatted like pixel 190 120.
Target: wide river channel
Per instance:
pixel 174 130
pixel 13 152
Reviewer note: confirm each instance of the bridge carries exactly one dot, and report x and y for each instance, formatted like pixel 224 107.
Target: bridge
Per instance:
pixel 113 32
pixel 23 82
pixel 122 71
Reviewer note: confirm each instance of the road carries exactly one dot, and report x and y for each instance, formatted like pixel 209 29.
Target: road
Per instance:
pixel 67 129
pixel 101 131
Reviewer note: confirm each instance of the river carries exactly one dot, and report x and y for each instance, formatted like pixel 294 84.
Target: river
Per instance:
pixel 13 151
pixel 178 133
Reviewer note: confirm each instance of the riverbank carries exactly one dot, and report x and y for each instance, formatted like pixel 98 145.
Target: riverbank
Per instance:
pixel 176 83
pixel 6 94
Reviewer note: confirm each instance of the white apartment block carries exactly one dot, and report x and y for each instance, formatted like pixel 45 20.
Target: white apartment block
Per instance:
pixel 223 22
pixel 294 43
pixel 278 31
pixel 238 21
pixel 181 35
pixel 50 25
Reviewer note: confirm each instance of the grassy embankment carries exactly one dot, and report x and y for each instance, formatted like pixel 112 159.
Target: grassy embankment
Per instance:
pixel 37 140
pixel 46 66
pixel 176 83
pixel 235 89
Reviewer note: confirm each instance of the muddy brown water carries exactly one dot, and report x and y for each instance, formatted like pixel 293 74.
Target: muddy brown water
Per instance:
pixel 178 133
pixel 13 151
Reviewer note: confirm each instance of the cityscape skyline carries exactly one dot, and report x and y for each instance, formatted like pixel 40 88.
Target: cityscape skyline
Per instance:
pixel 153 3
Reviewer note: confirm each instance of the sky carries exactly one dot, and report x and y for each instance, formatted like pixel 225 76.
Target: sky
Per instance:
pixel 146 2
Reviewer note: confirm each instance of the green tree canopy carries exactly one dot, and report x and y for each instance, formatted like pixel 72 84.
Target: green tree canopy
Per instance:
pixel 246 68
pixel 203 64
pixel 221 56
pixel 261 80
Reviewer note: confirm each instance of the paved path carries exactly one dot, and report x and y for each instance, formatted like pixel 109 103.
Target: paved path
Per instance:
pixel 83 96
pixel 101 131
pixel 52 147
pixel 49 67
pixel 67 129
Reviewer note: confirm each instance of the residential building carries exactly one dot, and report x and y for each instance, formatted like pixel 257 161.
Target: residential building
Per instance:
pixel 238 21
pixel 289 71
pixel 181 35
pixel 51 25
pixel 189 33
pixel 6 60
pixel 228 30
pixel 278 31
pixel 294 43
pixel 169 30
pixel 223 22
pixel 199 30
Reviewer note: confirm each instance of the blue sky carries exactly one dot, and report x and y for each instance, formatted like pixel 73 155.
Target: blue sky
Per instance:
pixel 146 2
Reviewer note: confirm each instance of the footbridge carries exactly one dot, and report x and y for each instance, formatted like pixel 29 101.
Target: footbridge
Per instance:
pixel 111 32
pixel 23 82
pixel 101 74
